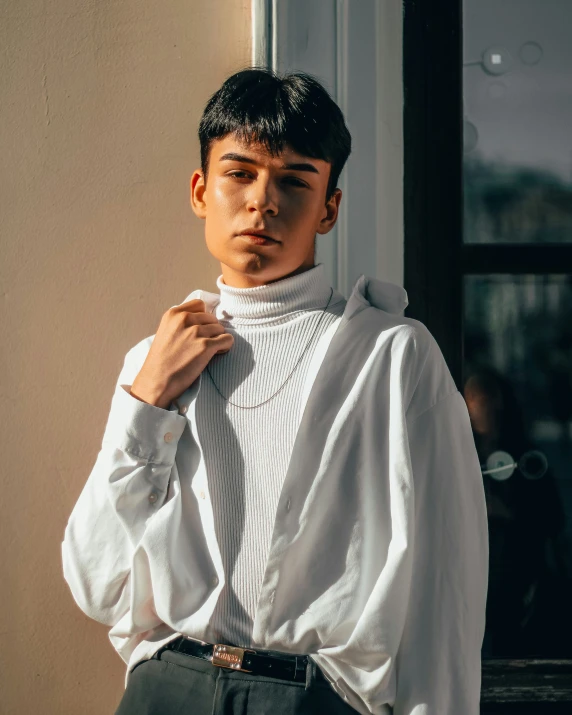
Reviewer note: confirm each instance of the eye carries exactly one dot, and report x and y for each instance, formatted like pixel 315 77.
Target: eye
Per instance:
pixel 238 174
pixel 296 181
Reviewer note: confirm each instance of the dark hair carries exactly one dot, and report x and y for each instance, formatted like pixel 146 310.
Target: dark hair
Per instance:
pixel 258 105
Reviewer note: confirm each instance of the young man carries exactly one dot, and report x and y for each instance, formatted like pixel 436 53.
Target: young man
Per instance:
pixel 287 513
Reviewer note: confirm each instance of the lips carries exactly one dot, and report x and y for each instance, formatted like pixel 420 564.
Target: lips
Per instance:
pixel 261 240
pixel 258 234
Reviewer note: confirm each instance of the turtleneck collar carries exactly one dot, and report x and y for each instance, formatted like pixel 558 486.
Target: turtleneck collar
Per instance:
pixel 308 290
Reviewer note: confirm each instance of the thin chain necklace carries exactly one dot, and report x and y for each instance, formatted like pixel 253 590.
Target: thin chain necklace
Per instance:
pixel 250 407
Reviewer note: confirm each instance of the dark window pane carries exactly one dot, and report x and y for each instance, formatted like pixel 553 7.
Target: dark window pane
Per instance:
pixel 517 95
pixel 517 383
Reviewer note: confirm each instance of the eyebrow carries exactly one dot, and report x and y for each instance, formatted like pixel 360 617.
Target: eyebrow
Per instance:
pixel 231 156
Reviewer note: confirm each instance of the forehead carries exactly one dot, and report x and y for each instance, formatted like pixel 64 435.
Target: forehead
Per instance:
pixel 259 154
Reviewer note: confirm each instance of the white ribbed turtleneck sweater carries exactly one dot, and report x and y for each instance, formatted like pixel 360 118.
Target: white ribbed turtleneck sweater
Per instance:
pixel 247 451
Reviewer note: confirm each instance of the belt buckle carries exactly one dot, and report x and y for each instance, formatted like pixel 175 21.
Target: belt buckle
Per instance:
pixel 229 656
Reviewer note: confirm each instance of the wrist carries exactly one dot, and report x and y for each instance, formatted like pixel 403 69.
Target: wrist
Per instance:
pixel 151 394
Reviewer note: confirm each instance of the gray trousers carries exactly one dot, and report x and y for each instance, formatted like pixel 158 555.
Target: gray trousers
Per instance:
pixel 174 683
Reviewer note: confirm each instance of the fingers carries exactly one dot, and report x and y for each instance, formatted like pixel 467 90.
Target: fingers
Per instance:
pixel 222 343
pixel 194 312
pixel 210 330
pixel 196 306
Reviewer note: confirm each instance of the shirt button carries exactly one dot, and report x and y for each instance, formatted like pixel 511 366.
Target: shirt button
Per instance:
pixel 202 494
pixel 168 436
pixel 153 497
pixel 288 504
pixel 215 580
pixel 183 409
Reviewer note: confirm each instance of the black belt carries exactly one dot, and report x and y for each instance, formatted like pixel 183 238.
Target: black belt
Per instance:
pixel 257 662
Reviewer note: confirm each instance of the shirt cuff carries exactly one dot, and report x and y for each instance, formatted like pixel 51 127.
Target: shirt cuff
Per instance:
pixel 144 430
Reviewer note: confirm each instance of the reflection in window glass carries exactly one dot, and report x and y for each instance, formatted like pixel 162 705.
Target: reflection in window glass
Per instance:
pixel 517 95
pixel 517 383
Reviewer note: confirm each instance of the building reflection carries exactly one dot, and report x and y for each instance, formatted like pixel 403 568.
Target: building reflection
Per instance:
pixel 530 588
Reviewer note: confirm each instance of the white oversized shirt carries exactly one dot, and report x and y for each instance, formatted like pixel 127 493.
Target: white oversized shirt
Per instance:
pixel 378 564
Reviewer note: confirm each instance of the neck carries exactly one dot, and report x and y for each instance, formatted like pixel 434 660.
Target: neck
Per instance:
pixel 235 279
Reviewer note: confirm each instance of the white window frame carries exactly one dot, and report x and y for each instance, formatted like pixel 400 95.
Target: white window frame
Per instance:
pixel 355 50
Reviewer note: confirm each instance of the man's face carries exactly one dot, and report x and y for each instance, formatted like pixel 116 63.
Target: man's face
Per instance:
pixel 248 189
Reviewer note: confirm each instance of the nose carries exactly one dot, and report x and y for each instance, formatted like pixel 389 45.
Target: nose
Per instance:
pixel 262 197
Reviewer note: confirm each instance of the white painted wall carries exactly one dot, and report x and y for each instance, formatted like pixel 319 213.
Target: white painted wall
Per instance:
pixel 100 103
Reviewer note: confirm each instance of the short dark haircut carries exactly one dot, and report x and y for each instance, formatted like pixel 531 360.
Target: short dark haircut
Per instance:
pixel 258 105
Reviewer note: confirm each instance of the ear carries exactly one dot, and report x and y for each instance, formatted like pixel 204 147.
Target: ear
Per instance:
pixel 198 190
pixel 331 212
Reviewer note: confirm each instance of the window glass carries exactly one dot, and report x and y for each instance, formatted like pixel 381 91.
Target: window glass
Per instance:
pixel 517 128
pixel 517 383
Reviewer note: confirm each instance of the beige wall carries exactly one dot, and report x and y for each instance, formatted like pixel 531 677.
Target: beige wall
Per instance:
pixel 100 103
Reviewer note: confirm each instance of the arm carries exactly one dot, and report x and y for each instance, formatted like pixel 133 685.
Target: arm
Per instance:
pixel 439 658
pixel 126 487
